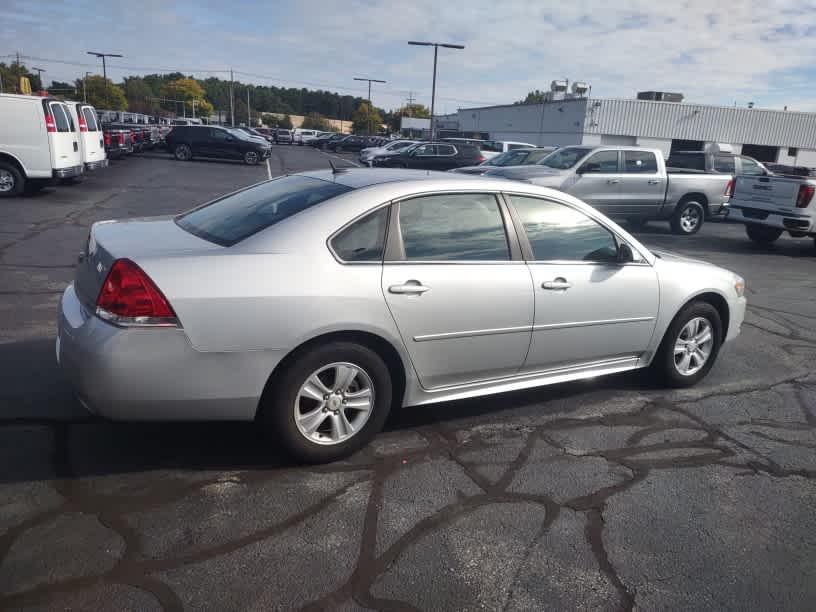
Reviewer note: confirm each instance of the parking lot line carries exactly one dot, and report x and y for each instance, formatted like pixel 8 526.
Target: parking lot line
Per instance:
pixel 268 169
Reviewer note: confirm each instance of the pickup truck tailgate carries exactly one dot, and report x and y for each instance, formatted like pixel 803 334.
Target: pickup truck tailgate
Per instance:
pixel 766 193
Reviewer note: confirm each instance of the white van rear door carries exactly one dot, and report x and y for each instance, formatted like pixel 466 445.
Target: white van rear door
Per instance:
pixel 65 140
pixel 93 147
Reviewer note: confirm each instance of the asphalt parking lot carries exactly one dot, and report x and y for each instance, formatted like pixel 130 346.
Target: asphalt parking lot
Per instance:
pixel 605 494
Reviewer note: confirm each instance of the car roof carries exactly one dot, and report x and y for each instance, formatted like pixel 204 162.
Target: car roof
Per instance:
pixel 357 178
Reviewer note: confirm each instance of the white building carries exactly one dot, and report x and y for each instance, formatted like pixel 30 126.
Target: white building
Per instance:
pixel 784 137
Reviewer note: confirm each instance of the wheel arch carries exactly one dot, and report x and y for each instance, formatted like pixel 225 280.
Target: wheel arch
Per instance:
pixel 11 159
pixel 717 300
pixel 697 197
pixel 384 348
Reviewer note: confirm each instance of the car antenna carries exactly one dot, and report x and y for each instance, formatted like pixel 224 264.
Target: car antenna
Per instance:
pixel 335 169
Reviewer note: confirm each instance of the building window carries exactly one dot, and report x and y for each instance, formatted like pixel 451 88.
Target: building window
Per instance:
pixel 793 151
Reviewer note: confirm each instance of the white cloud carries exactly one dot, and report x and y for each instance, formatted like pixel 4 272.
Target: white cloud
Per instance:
pixel 712 52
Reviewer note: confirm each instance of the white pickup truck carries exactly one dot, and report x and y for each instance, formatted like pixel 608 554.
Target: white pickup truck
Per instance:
pixel 770 205
pixel 630 182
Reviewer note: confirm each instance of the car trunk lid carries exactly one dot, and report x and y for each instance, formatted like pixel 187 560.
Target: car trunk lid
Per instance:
pixel 134 239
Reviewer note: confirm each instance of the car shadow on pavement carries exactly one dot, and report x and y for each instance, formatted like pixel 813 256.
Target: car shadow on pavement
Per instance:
pixel 46 434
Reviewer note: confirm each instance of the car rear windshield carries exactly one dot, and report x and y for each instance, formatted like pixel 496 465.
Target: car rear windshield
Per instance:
pixel 238 216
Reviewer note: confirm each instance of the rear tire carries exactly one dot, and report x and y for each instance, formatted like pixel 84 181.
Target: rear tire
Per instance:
pixel 674 349
pixel 12 182
pixel 183 152
pixel 287 396
pixel 688 218
pixel 762 234
pixel 251 158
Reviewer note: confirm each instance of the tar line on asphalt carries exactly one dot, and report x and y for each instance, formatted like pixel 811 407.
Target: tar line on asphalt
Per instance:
pixel 268 169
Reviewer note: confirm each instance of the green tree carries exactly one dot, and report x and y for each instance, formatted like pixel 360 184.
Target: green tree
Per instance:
pixel 366 119
pixel 534 97
pixel 286 122
pixel 315 121
pixel 270 120
pixel 11 74
pixel 102 93
pixel 415 110
pixel 188 90
pixel 140 96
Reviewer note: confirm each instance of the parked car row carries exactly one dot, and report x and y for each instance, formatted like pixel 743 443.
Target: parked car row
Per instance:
pixel 43 139
pixel 186 142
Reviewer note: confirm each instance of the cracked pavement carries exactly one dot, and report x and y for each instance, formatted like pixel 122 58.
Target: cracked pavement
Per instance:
pixel 603 494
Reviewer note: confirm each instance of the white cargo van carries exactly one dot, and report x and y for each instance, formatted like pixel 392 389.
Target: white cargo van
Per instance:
pixel 38 141
pixel 91 141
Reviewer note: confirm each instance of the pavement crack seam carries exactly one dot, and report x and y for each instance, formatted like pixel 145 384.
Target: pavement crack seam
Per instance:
pixel 593 531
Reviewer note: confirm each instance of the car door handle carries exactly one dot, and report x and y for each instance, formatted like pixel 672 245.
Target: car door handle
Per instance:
pixel 559 284
pixel 653 181
pixel 613 181
pixel 409 288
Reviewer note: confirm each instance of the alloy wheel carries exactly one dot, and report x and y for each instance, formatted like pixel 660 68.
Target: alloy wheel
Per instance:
pixel 693 345
pixel 690 219
pixel 251 157
pixel 334 403
pixel 6 181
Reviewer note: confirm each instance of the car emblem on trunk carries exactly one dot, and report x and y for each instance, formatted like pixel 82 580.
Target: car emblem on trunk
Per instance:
pixel 100 268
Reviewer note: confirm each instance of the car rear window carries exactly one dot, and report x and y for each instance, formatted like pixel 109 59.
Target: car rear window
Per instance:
pixel 691 161
pixel 90 119
pixel 238 216
pixel 61 118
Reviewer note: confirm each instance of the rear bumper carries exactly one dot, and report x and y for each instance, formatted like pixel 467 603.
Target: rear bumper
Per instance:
pixel 796 222
pixel 154 373
pixel 68 172
pixel 96 165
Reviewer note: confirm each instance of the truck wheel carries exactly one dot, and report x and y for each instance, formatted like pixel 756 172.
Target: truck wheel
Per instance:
pixel 12 182
pixel 762 234
pixel 688 218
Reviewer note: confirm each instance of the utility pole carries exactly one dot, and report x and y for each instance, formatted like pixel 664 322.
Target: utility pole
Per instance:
pixel 103 56
pixel 370 81
pixel 249 113
pixel 232 106
pixel 85 89
pixel 194 103
pixel 410 103
pixel 433 89
pixel 39 75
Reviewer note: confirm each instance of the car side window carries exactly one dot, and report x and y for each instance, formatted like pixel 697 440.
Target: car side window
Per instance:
pixel 750 167
pixel 602 162
pixel 560 233
pixel 219 135
pixel 639 162
pixel 724 163
pixel 424 150
pixel 445 150
pixel 453 227
pixel 364 239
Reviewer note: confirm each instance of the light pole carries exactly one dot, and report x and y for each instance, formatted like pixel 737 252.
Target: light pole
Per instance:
pixel 370 81
pixel 103 56
pixel 39 75
pixel 84 89
pixel 433 89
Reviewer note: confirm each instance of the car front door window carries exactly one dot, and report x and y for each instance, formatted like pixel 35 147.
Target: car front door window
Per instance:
pixel 602 162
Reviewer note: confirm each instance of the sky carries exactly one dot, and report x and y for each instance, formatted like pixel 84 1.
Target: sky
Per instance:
pixel 715 53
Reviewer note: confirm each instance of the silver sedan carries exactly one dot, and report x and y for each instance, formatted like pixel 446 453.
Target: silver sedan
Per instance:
pixel 315 302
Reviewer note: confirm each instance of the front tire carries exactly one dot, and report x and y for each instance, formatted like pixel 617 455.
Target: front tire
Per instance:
pixel 688 218
pixel 328 403
pixel 183 152
pixel 12 182
pixel 690 346
pixel 762 234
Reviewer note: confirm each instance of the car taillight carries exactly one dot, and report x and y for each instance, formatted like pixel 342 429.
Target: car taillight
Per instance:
pixel 729 188
pixel 805 195
pixel 129 297
pixel 50 126
pixel 106 138
pixel 481 159
pixel 83 127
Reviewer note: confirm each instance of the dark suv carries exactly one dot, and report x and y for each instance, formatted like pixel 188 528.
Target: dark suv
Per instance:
pixel 432 156
pixel 188 141
pixel 349 143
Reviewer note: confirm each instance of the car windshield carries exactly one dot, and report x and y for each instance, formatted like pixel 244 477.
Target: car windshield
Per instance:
pixel 397 146
pixel 564 158
pixel 235 217
pixel 511 158
pixel 240 134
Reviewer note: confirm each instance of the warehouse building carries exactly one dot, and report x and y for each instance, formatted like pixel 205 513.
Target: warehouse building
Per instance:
pixel 784 137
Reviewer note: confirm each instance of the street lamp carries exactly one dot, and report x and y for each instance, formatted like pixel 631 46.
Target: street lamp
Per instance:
pixel 84 88
pixel 433 89
pixel 103 56
pixel 370 81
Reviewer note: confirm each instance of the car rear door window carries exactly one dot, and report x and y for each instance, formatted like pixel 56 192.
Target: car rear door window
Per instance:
pixel 60 118
pixel 724 163
pixel 424 150
pixel 445 149
pixel 560 233
pixel 235 217
pixel 602 162
pixel 639 162
pixel 364 239
pixel 90 119
pixel 453 227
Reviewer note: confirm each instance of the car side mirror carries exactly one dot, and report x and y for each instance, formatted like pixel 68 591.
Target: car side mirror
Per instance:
pixel 625 254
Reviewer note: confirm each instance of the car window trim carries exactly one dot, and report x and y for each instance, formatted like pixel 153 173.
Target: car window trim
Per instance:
pixel 622 162
pixel 362 215
pixel 394 254
pixel 592 154
pixel 527 248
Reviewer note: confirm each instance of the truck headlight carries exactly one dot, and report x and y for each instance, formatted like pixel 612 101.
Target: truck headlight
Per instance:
pixel 739 286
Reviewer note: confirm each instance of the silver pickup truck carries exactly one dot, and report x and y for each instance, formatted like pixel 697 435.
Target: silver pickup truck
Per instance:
pixel 771 205
pixel 630 182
